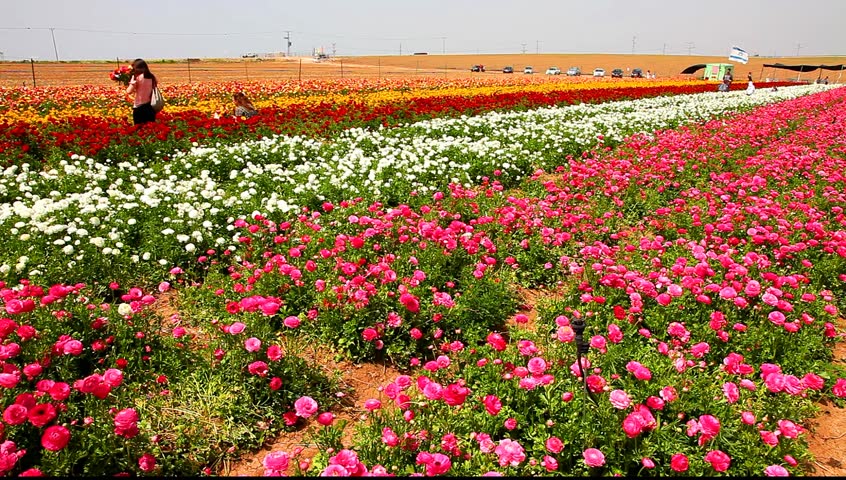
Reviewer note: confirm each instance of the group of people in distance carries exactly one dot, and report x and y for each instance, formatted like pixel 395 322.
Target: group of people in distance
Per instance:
pixel 728 78
pixel 140 91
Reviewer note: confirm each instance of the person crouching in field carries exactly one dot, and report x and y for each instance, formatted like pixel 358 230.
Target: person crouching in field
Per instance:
pixel 243 106
pixel 141 86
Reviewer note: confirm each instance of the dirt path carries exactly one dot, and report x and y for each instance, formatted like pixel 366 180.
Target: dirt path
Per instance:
pixel 827 436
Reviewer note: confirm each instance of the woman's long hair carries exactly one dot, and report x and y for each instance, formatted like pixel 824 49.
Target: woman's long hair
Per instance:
pixel 140 65
pixel 241 99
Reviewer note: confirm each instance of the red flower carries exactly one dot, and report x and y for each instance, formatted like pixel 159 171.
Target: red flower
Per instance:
pixel 41 414
pixel 55 438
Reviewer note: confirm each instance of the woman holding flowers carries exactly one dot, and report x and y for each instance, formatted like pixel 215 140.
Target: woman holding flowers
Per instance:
pixel 141 86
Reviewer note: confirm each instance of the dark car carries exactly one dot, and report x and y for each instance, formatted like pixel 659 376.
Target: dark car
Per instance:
pixel 637 73
pixel 617 73
pixel 508 70
pixel 477 68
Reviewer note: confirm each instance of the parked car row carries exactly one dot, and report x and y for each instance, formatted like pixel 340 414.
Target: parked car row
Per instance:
pixel 572 71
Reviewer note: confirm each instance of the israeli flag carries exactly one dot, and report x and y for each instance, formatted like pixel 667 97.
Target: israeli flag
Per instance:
pixel 739 55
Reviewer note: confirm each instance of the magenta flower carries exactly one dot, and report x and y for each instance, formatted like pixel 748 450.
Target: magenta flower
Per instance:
pixel 276 461
pixel 679 462
pixel 718 459
pixel 147 463
pixel 776 471
pixel 492 404
pixel 554 444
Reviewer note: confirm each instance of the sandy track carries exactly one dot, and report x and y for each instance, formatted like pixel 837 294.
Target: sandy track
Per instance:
pixel 449 66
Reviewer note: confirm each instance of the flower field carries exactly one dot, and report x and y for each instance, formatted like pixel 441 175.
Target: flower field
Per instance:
pixel 160 284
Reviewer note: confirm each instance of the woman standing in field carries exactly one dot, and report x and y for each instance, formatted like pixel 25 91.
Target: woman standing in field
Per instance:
pixel 141 85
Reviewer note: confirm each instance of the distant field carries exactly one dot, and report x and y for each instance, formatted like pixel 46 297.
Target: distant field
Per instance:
pixel 451 66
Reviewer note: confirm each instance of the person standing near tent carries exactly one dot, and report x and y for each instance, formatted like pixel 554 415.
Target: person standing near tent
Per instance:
pixel 749 76
pixel 727 79
pixel 750 88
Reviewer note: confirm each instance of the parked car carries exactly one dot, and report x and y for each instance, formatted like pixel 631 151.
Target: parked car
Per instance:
pixel 477 68
pixel 574 71
pixel 617 73
pixel 508 70
pixel 598 72
pixel 553 71
pixel 637 73
pixel 528 70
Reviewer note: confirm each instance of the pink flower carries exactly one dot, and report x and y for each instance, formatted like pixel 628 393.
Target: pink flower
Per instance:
pixel 305 407
pixel 291 321
pixel 252 344
pixel 436 463
pixel 718 459
pixel 258 368
pixel 496 341
pixel 372 404
pixel 510 453
pixel 549 463
pixel 236 328
pixel 55 438
pixel 274 353
pixel 620 399
pixel 126 423
pixel 679 462
pixel 839 388
pixel 510 423
pixel 789 429
pixel 593 458
pixel 776 471
pixel 768 437
pixel 554 444
pixel 276 461
pixel 147 463
pixel 748 418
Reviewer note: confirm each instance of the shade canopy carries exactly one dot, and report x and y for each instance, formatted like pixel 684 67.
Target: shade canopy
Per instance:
pixel 804 68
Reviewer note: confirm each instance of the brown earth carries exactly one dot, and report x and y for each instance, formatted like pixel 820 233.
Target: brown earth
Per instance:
pixel 448 66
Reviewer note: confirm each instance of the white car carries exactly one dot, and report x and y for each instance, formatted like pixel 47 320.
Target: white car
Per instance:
pixel 598 72
pixel 553 71
pixel 528 70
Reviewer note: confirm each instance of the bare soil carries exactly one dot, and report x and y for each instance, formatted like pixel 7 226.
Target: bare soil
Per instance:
pixel 448 66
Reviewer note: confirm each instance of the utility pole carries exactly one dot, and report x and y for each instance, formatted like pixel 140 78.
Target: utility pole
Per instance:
pixel 690 46
pixel 634 38
pixel 333 51
pixel 288 38
pixel 524 47
pixel 400 49
pixel 443 44
pixel 53 36
pixel 537 46
pixel 798 46
pixel 664 51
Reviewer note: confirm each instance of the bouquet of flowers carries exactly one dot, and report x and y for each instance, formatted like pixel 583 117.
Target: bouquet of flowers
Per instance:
pixel 122 75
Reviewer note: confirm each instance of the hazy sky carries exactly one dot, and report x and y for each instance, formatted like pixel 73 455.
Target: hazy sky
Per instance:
pixel 106 29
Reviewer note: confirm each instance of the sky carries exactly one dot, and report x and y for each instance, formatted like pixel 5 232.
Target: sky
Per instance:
pixel 109 29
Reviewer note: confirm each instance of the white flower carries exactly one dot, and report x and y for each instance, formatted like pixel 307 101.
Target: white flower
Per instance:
pixel 124 309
